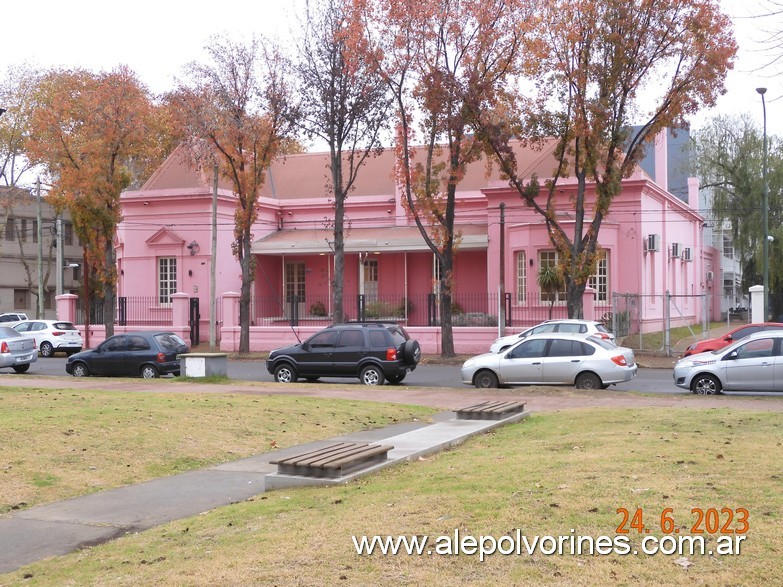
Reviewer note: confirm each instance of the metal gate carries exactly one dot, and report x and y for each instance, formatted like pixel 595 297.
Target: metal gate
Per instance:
pixel 195 317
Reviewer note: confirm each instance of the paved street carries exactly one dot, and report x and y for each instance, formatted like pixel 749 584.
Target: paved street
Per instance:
pixel 647 380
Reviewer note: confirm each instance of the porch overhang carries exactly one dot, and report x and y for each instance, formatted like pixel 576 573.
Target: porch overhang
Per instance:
pixel 391 239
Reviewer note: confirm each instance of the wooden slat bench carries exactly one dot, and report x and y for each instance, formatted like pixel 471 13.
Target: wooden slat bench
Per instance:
pixel 490 410
pixel 335 460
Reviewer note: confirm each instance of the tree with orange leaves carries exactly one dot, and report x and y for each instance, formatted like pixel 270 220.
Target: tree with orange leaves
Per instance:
pixel 441 59
pixel 86 129
pixel 235 114
pixel 606 66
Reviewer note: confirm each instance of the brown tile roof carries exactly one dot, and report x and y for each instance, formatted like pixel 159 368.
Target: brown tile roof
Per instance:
pixel 306 175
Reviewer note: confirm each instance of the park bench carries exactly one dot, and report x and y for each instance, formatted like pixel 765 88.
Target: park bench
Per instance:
pixel 335 460
pixel 490 410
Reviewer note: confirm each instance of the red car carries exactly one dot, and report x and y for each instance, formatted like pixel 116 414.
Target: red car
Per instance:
pixel 713 344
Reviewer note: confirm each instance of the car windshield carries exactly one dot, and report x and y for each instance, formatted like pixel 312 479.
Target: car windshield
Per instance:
pixel 63 326
pixel 169 341
pixel 601 328
pixel 399 336
pixel 7 332
pixel 602 342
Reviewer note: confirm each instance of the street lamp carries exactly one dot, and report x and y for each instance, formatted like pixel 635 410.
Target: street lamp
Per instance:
pixel 765 212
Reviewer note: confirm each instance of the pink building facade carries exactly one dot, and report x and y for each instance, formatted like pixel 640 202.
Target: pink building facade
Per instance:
pixel 651 245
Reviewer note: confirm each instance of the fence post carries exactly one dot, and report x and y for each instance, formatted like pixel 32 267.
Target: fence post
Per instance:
pixel 180 310
pixel 360 308
pixel 431 307
pixel 667 324
pixel 508 309
pixel 294 312
pixel 122 318
pixel 66 307
pixel 588 304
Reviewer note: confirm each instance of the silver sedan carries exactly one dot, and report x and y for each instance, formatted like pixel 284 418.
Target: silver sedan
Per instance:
pixel 588 362
pixel 751 364
pixel 16 351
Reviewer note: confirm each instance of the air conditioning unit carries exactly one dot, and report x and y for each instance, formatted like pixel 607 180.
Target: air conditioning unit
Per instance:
pixel 686 254
pixel 710 275
pixel 676 249
pixel 653 242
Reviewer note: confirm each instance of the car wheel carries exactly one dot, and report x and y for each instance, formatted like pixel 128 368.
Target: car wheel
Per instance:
pixel 80 370
pixel 411 352
pixel 372 375
pixel 149 372
pixel 706 385
pixel 285 373
pixel 21 368
pixel 47 350
pixel 588 381
pixel 395 379
pixel 485 379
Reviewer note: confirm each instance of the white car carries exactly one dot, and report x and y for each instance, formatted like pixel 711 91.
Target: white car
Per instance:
pixel 588 362
pixel 52 336
pixel 566 325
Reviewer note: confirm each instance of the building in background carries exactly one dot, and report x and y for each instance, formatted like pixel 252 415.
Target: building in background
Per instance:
pixel 19 246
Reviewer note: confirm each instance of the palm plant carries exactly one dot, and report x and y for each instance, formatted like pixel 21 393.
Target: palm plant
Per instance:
pixel 550 281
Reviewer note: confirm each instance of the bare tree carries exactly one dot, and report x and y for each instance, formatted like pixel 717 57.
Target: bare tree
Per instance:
pixel 235 111
pixel 346 107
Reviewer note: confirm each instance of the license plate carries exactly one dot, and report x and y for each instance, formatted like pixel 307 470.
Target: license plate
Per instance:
pixel 24 358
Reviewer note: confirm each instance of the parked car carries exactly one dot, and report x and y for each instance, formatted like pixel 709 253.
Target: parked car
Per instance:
pixel 754 363
pixel 372 351
pixel 52 336
pixel 588 362
pixel 133 354
pixel 12 317
pixel 713 344
pixel 565 325
pixel 16 351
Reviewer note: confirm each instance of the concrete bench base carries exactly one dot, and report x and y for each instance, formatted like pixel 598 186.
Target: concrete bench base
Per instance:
pixel 333 461
pixel 490 410
pixel 204 364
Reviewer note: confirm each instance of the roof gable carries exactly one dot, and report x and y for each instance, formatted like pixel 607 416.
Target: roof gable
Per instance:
pixel 164 236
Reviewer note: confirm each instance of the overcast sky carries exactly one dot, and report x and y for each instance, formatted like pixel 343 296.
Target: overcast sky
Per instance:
pixel 157 38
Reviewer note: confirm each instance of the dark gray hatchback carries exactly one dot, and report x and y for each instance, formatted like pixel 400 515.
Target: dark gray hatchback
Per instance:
pixel 372 351
pixel 133 354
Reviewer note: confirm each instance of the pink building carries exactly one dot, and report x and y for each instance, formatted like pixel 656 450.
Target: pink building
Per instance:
pixel 651 244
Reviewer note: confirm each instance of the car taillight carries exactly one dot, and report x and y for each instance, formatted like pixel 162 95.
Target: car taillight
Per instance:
pixel 161 358
pixel 391 354
pixel 4 348
pixel 58 333
pixel 620 360
pixel 603 335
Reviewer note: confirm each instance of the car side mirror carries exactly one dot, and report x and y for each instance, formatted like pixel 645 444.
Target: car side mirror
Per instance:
pixel 305 346
pixel 727 338
pixel 732 355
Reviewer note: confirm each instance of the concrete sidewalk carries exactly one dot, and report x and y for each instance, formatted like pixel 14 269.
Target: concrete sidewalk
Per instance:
pixel 62 527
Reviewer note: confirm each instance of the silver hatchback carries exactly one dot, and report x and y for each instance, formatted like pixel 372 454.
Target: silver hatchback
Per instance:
pixel 588 362
pixel 754 363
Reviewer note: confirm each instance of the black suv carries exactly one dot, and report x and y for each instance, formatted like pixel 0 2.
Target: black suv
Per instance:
pixel 372 351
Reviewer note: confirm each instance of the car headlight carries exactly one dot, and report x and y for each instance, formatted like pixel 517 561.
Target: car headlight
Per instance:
pixel 690 363
pixel 468 363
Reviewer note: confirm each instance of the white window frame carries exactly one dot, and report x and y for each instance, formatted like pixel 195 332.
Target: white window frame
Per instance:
pixel 521 277
pixel 552 258
pixel 600 280
pixel 167 280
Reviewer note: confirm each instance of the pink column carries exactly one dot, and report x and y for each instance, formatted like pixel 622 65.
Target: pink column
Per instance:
pixel 588 304
pixel 180 310
pixel 231 309
pixel 66 307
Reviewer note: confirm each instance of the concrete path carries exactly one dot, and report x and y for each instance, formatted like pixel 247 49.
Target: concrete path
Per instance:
pixel 62 527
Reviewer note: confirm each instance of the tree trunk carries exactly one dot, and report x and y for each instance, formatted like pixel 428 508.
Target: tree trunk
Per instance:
pixel 339 260
pixel 109 293
pixel 446 329
pixel 244 297
pixel 574 301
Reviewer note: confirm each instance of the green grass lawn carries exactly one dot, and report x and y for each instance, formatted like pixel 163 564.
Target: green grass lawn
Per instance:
pixel 557 474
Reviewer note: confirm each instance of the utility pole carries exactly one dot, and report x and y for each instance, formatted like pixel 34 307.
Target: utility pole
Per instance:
pixel 58 235
pixel 41 292
pixel 765 212
pixel 502 279
pixel 212 293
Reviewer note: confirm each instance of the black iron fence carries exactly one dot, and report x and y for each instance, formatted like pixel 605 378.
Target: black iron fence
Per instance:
pixel 477 309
